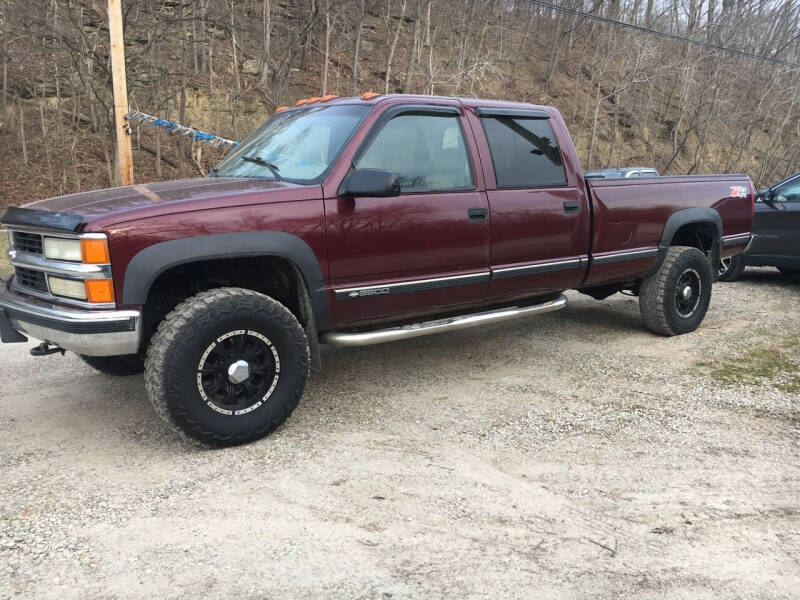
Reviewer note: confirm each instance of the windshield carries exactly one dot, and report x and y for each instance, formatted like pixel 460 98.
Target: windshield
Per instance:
pixel 297 145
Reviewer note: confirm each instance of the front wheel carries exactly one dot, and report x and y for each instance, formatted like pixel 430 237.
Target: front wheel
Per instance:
pixel 731 268
pixel 227 366
pixel 674 299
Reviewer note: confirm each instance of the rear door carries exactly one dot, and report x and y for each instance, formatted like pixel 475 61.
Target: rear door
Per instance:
pixel 539 218
pixel 777 224
pixel 426 250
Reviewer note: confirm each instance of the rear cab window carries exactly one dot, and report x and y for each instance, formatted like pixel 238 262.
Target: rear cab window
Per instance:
pixel 524 149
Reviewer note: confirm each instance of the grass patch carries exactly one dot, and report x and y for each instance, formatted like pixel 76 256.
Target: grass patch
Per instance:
pixel 5 266
pixel 777 365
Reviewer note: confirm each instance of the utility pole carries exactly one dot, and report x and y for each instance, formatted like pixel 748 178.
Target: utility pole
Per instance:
pixel 124 158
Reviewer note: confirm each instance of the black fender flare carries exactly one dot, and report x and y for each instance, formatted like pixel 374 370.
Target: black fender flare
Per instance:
pixel 150 262
pixel 678 219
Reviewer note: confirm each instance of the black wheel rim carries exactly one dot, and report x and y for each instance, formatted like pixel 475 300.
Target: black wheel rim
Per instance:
pixel 228 386
pixel 688 292
pixel 724 266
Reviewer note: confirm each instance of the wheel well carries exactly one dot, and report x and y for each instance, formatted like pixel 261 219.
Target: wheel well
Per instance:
pixel 702 236
pixel 271 275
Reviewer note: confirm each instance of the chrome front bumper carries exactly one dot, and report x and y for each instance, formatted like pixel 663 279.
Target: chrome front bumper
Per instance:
pixel 90 332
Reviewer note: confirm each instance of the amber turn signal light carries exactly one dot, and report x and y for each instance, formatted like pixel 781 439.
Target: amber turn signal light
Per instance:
pixel 99 290
pixel 95 251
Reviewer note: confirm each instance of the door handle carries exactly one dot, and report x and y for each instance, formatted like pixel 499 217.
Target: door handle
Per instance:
pixel 571 206
pixel 478 214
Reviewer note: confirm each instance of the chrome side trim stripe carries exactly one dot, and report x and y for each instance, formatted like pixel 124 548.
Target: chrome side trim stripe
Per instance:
pixel 418 285
pixel 365 338
pixel 605 259
pixel 532 269
pixel 734 240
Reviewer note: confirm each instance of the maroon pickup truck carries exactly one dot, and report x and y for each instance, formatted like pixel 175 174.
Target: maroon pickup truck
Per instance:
pixel 352 221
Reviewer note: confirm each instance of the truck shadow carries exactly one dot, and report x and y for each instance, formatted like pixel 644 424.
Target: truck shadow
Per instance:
pixel 532 339
pixel 353 379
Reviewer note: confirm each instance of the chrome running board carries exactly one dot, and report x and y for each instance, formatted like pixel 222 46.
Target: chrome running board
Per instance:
pixel 404 332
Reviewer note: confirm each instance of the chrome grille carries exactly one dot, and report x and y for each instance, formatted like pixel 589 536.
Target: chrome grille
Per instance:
pixel 31 279
pixel 32 268
pixel 28 242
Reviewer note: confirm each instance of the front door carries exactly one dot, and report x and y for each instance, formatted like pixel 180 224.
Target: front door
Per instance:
pixel 777 226
pixel 425 250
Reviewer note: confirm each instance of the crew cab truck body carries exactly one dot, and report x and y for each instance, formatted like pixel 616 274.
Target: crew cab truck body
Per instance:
pixel 352 221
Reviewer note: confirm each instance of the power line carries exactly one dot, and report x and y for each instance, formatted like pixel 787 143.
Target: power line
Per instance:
pixel 662 34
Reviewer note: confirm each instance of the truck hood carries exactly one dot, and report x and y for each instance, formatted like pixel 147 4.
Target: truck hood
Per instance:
pixel 173 196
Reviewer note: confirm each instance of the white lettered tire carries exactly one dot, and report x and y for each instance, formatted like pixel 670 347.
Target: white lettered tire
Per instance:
pixel 227 366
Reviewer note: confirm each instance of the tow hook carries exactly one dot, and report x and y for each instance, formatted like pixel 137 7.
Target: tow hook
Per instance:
pixel 45 348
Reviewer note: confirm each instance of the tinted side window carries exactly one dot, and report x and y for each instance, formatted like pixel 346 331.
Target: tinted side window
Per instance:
pixel 524 152
pixel 426 151
pixel 789 190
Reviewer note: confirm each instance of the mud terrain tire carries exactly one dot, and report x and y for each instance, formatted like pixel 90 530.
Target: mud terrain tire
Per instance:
pixel 191 372
pixel 674 299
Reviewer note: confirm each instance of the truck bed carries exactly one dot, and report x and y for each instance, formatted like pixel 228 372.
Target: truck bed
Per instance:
pixel 631 215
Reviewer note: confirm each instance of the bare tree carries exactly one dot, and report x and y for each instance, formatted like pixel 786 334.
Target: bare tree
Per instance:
pixel 393 47
pixel 627 97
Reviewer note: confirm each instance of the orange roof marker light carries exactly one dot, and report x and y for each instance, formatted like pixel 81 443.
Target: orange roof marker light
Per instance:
pixel 327 97
pixel 281 109
pixel 368 95
pixel 315 99
pixel 302 101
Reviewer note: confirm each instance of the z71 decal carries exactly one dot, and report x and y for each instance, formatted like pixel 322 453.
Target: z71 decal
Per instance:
pixel 739 191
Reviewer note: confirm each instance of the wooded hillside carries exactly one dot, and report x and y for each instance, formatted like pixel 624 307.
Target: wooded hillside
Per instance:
pixel 629 98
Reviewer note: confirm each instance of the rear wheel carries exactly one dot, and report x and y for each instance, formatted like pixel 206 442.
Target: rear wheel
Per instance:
pixel 674 299
pixel 119 366
pixel 789 272
pixel 731 268
pixel 227 366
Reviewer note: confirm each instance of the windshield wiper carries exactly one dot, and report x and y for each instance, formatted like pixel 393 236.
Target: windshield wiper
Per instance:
pixel 260 161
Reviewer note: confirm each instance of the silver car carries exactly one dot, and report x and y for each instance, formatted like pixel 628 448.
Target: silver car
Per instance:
pixel 622 173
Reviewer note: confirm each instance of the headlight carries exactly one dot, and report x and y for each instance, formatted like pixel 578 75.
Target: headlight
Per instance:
pixel 62 249
pixel 71 288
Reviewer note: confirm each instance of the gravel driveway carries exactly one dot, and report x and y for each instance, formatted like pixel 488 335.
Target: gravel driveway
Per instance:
pixel 569 455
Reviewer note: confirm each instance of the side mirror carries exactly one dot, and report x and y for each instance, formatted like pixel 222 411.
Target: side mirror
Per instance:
pixel 375 183
pixel 773 199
